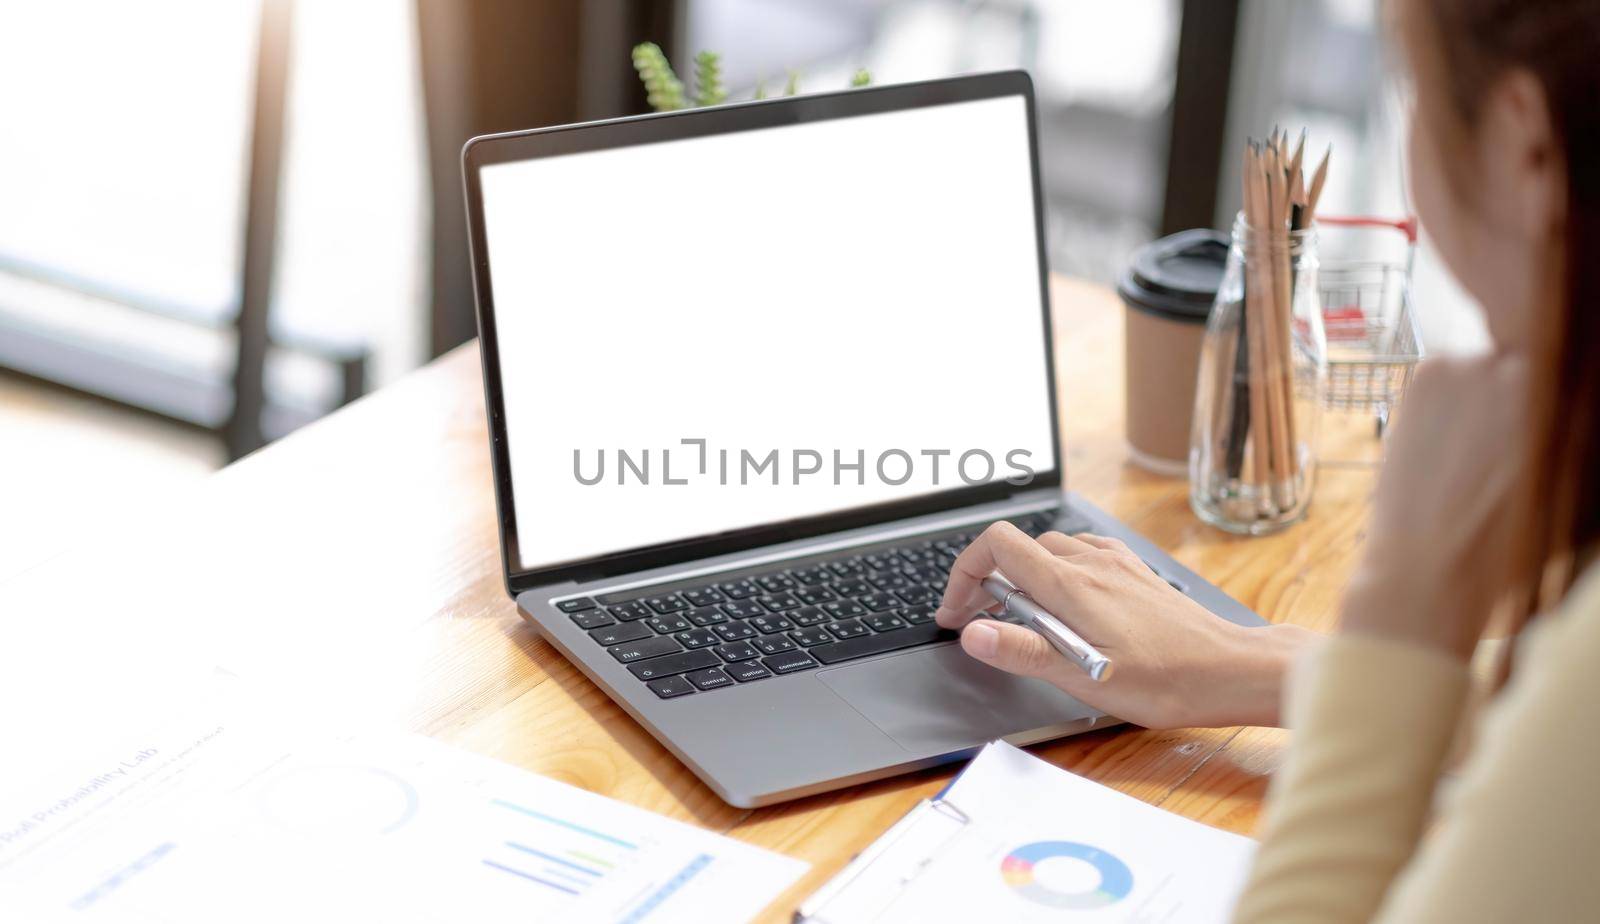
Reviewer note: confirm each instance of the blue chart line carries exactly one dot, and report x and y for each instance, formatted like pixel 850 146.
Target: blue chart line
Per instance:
pixel 569 877
pixel 667 888
pixel 565 824
pixel 545 856
pixel 531 877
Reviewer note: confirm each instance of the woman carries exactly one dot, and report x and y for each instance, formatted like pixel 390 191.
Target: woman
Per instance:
pixel 1490 502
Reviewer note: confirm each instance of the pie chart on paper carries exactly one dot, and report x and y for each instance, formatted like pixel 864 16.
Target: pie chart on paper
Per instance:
pixel 1066 875
pixel 339 800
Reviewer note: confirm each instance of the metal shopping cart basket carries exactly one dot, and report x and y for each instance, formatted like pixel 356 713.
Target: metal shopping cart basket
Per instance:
pixel 1373 344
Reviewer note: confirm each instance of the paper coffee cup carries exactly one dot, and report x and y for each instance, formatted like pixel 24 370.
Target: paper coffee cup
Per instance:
pixel 1167 290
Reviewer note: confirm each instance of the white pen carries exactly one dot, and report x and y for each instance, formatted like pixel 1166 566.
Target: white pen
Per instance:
pixel 1042 621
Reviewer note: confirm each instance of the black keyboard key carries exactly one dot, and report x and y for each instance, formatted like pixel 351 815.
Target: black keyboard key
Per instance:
pixel 882 622
pixel 644 648
pixel 865 645
pixel 738 590
pixel 575 606
pixel 707 616
pixel 667 603
pixel 846 567
pixel 814 595
pixel 780 602
pixel 627 612
pixel 880 601
pixel 668 687
pixel 697 638
pixel 789 662
pixel 849 628
pixel 888 580
pixel 772 644
pixel 617 634
pixel 736 651
pixel 853 587
pixel 767 625
pixel 816 575
pixel 592 619
pixel 680 663
pixel 703 596
pixel 666 625
pixel 919 614
pixel 880 561
pixel 744 609
pixel 916 594
pixel 814 635
pixel 734 631
pixel 808 616
pixel 776 582
pixel 844 609
pixel 710 678
pixel 746 671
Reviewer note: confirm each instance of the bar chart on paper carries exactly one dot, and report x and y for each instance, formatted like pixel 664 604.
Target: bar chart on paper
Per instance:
pixel 571 859
pixel 478 840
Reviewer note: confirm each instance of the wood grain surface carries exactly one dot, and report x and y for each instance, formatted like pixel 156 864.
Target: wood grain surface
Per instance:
pixel 357 560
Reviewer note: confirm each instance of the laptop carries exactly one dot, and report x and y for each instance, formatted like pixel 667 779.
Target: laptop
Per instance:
pixel 755 374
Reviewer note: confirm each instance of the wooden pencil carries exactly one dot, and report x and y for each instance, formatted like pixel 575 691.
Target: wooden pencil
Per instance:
pixel 1315 193
pixel 1275 254
pixel 1257 290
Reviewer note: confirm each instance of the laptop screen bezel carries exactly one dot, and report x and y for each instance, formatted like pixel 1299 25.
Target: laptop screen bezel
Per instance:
pixel 647 129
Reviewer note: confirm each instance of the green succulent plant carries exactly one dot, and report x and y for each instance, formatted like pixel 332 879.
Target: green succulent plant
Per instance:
pixel 665 91
pixel 708 88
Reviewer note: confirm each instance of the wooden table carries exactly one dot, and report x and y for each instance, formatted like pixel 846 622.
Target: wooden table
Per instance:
pixel 358 558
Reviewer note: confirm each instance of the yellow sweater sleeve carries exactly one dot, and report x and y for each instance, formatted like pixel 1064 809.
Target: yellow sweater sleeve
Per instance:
pixel 1373 725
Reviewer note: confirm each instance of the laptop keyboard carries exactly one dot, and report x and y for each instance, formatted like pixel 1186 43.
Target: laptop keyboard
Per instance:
pixel 708 634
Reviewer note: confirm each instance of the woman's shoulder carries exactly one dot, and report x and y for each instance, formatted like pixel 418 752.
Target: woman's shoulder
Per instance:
pixel 1573 623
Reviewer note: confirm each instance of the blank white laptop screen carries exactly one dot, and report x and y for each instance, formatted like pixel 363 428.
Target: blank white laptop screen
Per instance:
pixel 694 325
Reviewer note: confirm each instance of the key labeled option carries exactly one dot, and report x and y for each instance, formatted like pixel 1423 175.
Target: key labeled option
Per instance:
pixel 746 671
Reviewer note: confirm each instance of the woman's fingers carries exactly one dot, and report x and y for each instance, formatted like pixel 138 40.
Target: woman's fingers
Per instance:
pixel 1015 650
pixel 1059 543
pixel 1103 542
pixel 1002 547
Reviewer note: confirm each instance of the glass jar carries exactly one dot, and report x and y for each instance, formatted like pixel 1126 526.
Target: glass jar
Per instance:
pixel 1263 370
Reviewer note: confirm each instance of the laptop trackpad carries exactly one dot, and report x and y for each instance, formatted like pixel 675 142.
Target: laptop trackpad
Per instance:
pixel 941 700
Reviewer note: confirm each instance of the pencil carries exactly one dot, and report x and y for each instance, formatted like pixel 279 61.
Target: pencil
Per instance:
pixel 1317 180
pixel 1276 374
pixel 1256 293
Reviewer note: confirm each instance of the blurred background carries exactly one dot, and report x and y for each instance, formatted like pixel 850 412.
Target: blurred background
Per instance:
pixel 222 219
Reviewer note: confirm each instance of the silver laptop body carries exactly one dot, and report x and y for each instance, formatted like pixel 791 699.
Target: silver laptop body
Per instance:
pixel 791 287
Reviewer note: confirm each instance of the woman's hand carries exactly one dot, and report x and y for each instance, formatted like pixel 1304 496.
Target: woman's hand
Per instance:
pixel 1177 663
pixel 1445 515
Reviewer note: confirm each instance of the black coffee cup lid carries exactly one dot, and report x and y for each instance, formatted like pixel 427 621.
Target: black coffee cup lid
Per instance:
pixel 1177 276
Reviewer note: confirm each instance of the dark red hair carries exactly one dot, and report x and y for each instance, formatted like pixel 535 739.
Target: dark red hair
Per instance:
pixel 1558 42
